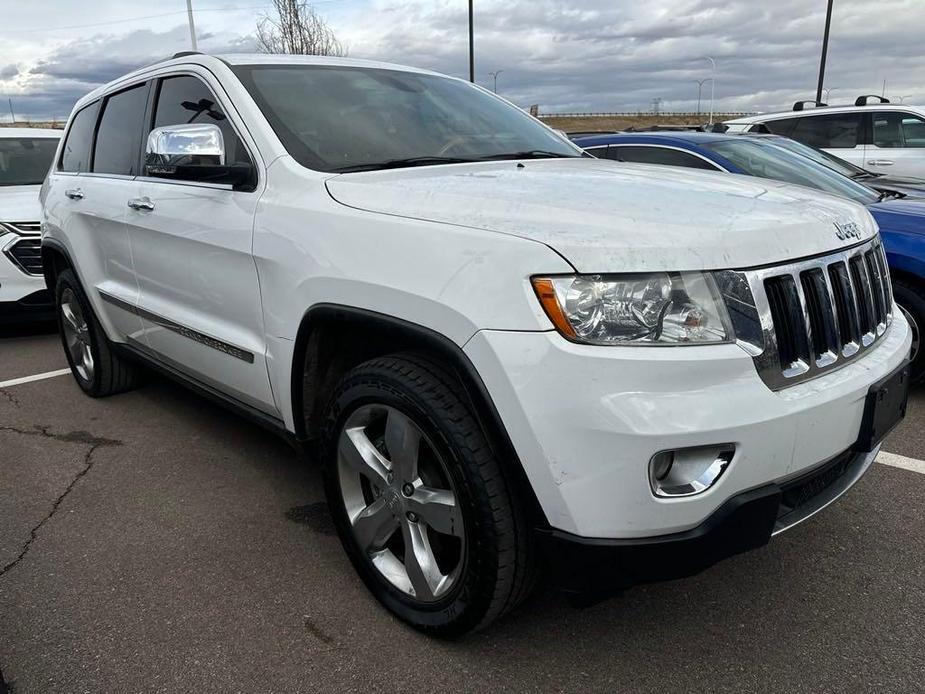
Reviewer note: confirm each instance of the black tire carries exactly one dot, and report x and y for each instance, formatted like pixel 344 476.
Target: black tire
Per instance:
pixel 111 373
pixel 911 298
pixel 498 570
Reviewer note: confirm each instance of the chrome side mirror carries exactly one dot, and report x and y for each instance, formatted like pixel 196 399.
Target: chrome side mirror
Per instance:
pixel 181 148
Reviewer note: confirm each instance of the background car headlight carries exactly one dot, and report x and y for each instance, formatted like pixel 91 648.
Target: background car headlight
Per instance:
pixel 639 309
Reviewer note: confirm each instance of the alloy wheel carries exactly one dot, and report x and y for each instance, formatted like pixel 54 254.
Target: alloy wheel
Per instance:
pixel 76 335
pixel 401 502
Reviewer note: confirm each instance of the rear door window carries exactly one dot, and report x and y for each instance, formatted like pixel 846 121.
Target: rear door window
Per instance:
pixel 659 155
pixel 782 126
pixel 833 131
pixel 75 154
pixel 893 129
pixel 118 138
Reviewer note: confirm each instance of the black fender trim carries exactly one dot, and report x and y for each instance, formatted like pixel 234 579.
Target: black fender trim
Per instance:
pixel 57 247
pixel 482 405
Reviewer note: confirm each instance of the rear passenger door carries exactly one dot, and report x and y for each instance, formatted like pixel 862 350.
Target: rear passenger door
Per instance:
pixel 86 199
pixel 838 133
pixel 199 297
pixel 897 144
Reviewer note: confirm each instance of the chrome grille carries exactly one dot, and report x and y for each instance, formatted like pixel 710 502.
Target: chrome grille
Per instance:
pixel 26 253
pixel 806 318
pixel 26 228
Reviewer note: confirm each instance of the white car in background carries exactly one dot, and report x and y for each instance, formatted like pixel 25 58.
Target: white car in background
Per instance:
pixel 883 137
pixel 25 157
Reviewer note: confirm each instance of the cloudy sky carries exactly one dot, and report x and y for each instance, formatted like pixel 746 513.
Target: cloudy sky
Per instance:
pixel 579 55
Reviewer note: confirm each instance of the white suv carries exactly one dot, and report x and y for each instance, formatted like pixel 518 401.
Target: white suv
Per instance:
pixel 26 155
pixel 885 138
pixel 517 360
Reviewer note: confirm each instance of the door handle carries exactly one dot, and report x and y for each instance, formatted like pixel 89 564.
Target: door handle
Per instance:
pixel 74 194
pixel 881 162
pixel 141 204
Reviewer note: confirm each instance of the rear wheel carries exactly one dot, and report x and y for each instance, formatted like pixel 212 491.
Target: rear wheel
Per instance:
pixel 422 507
pixel 911 300
pixel 98 370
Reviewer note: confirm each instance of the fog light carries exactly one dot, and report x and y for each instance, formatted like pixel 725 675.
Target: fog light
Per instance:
pixel 688 471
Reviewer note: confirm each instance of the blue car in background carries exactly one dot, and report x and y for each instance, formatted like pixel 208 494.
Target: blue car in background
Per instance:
pixel 901 215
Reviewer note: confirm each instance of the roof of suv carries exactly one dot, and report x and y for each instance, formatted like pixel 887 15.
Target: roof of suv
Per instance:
pixel 207 60
pixel 847 108
pixel 8 133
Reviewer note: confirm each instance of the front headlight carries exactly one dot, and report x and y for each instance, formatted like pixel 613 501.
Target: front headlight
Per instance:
pixel 659 308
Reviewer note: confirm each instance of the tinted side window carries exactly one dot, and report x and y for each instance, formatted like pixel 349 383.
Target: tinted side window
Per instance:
pixel 75 155
pixel 898 130
pixel 659 155
pixel 118 137
pixel 784 126
pixel 836 130
pixel 187 99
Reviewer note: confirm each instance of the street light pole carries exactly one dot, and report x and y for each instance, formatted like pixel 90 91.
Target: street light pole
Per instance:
pixel 471 47
pixel 825 51
pixel 712 86
pixel 495 77
pixel 192 25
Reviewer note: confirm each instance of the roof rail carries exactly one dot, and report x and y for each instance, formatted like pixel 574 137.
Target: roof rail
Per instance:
pixel 862 100
pixel 798 106
pixel 183 54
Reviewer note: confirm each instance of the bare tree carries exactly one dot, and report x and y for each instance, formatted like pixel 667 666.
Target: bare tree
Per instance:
pixel 297 28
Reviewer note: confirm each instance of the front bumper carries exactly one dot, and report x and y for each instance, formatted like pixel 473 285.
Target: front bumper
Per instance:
pixel 593 568
pixel 585 421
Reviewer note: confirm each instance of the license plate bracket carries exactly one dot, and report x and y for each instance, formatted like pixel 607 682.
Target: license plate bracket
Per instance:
pixel 884 408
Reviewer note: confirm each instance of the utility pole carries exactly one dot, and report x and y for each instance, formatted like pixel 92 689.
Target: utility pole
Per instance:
pixel 471 47
pixel 712 86
pixel 192 24
pixel 699 88
pixel 825 51
pixel 827 90
pixel 495 76
pixel 12 117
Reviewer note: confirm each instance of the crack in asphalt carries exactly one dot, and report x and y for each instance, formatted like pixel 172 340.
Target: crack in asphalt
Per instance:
pixel 80 437
pixel 12 399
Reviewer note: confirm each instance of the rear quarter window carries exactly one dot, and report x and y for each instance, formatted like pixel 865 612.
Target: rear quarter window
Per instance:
pixel 75 154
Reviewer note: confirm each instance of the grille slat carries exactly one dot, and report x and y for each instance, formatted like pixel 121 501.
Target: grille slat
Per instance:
pixel 27 255
pixel 820 313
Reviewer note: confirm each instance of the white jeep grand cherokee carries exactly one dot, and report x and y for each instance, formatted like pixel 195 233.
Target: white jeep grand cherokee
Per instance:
pixel 517 359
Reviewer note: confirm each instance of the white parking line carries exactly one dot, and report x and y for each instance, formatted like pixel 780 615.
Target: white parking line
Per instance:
pixel 36 377
pixel 901 461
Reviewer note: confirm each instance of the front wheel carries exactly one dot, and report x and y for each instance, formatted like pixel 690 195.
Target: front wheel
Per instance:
pixel 421 505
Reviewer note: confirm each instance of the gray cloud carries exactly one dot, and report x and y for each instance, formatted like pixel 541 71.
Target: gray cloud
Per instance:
pixel 600 55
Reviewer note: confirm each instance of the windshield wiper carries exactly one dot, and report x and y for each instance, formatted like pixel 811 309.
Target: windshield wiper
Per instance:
pixel 402 163
pixel 530 154
pixel 884 194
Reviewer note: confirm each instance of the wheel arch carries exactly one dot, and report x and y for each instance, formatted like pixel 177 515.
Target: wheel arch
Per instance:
pixel 55 258
pixel 333 338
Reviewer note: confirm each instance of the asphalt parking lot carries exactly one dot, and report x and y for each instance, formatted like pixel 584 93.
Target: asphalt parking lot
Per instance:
pixel 154 542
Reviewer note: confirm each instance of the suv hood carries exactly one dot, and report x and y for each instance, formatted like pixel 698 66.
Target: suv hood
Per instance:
pixel 605 216
pixel 20 204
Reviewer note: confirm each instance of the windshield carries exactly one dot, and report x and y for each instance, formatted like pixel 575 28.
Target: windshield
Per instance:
pixel 770 161
pixel 820 157
pixel 24 161
pixel 339 119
